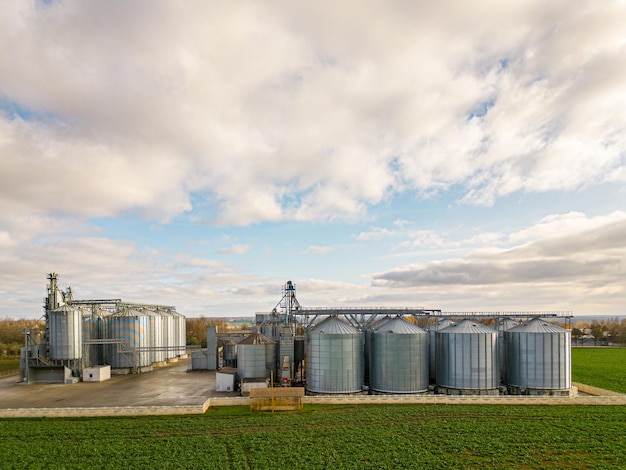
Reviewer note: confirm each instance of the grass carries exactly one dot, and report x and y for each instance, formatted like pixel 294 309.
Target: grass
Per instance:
pixel 319 437
pixel 9 366
pixel 600 367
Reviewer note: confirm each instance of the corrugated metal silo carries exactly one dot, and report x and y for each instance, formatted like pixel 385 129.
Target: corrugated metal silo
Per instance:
pixel 92 353
pixel 399 358
pixel 230 354
pixel 285 348
pixel 432 329
pixel 334 359
pixel 133 328
pixel 156 336
pixel 467 361
pixel 538 358
pixel 65 331
pixel 367 349
pixel 180 335
pixel 256 357
pixel 169 333
pixel 502 325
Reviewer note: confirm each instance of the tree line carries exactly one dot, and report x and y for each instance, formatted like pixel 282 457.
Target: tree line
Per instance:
pixel 604 332
pixel 12 335
pixel 607 331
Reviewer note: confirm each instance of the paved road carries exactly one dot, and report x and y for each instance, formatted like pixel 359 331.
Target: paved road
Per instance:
pixel 168 386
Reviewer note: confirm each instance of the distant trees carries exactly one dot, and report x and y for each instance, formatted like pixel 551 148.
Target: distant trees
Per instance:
pixel 12 335
pixel 577 334
pixel 611 331
pixel 196 329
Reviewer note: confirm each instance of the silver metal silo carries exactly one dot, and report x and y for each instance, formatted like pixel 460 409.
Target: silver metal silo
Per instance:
pixel 155 323
pixel 538 359
pixel 65 332
pixel 432 360
pixel 92 353
pixel 502 325
pixel 334 358
pixel 467 361
pixel 132 328
pixel 180 333
pixel 285 348
pixel 399 358
pixel 367 349
pixel 230 354
pixel 256 357
pixel 169 333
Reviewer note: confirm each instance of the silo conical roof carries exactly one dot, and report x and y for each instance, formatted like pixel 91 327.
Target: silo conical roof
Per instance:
pixel 65 308
pixel 400 326
pixel 256 338
pixel 378 322
pixel 441 324
pixel 537 325
pixel 504 324
pixel 467 326
pixel 334 326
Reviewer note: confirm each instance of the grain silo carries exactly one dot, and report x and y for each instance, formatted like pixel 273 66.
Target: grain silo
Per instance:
pixel 467 362
pixel 538 359
pixel 180 333
pixel 132 329
pixel 256 357
pixel 367 349
pixel 157 339
pixel 65 330
pixel 230 354
pixel 432 355
pixel 502 325
pixel 334 359
pixel 399 358
pixel 92 351
pixel 170 338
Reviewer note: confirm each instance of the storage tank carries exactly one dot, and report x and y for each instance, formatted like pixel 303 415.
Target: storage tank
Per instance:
pixel 286 347
pixel 432 360
pixel 334 359
pixel 399 358
pixel 157 339
pixel 65 333
pixel 180 333
pixel 132 327
pixel 91 332
pixel 538 359
pixel 230 354
pixel 502 325
pixel 467 362
pixel 367 349
pixel 168 331
pixel 256 357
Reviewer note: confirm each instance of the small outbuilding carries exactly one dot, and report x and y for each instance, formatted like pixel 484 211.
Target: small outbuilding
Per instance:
pixel 96 373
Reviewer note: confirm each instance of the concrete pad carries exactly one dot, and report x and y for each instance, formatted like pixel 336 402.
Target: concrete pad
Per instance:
pixel 168 386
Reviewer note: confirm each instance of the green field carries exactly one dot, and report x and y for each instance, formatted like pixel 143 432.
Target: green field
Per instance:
pixel 371 436
pixel 600 367
pixel 9 366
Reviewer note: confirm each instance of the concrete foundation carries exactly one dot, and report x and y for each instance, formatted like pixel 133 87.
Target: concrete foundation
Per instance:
pixel 465 392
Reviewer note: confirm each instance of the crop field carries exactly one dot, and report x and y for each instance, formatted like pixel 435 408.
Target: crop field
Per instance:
pixel 600 367
pixel 371 436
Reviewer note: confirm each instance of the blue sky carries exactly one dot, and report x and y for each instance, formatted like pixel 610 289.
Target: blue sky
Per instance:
pixel 467 157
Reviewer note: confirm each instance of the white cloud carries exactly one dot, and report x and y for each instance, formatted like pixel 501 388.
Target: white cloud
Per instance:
pixel 274 112
pixel 244 113
pixel 240 249
pixel 583 265
pixel 318 250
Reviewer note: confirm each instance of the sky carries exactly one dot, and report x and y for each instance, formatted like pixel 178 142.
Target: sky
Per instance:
pixel 453 155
